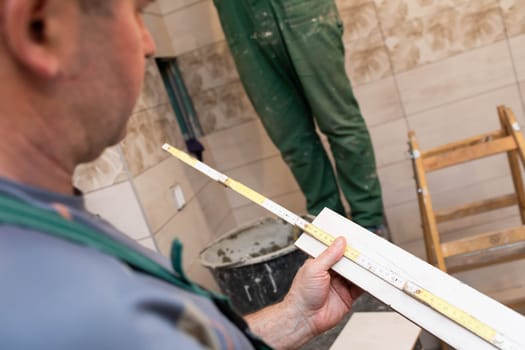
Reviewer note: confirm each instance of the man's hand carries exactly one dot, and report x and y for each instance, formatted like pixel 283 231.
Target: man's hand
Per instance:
pixel 321 296
pixel 317 301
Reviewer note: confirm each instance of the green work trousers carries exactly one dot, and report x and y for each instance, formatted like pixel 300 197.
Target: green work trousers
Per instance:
pixel 290 57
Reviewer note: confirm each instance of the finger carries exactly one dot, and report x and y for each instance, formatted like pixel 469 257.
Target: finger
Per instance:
pixel 356 291
pixel 331 255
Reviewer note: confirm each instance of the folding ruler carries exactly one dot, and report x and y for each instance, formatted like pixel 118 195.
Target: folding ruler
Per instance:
pixel 481 332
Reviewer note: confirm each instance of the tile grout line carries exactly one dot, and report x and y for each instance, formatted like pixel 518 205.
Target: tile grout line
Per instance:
pixel 394 74
pixel 137 198
pixel 512 59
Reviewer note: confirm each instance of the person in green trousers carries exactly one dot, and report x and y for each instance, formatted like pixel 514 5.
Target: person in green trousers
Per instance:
pixel 290 58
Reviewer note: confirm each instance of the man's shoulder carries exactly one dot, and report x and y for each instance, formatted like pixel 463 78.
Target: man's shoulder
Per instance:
pixel 62 289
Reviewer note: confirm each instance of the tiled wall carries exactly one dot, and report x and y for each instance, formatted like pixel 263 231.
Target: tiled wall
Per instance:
pixel 437 67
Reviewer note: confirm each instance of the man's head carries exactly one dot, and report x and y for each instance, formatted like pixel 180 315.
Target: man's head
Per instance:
pixel 72 70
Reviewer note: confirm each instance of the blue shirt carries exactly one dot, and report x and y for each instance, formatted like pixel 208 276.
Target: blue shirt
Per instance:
pixel 59 295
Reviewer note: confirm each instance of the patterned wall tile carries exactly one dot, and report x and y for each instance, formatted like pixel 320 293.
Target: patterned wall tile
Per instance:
pixel 343 4
pixel 367 59
pixel 153 90
pixel 220 66
pixel 514 15
pixel 445 32
pixel 223 107
pixel 107 170
pixel 147 132
pixel 207 67
pixel 392 13
pixel 192 68
pixel 359 21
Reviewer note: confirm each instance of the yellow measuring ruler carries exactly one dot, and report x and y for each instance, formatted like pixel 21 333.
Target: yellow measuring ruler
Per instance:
pixel 467 321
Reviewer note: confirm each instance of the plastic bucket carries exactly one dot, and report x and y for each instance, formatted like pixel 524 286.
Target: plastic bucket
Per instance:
pixel 254 265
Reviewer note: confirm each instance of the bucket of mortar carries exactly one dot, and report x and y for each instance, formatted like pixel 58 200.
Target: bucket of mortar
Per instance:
pixel 254 265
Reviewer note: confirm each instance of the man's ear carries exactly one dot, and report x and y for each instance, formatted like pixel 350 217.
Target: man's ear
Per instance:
pixel 27 36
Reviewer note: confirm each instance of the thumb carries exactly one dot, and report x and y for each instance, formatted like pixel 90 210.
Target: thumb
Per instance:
pixel 331 255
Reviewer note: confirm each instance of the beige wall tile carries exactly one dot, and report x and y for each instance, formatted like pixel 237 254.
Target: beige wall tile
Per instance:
pixel 359 21
pixel 487 222
pixel 463 175
pixel 366 59
pixel 495 278
pixel 271 177
pixel 456 78
pixel 147 132
pixel 155 191
pixel 196 179
pixel 404 222
pixel 229 223
pixel 517 45
pixel 153 8
pixel 107 170
pixel 514 14
pixel 167 6
pixel 416 247
pixel 193 26
pixel 379 101
pixel 202 276
pixel 250 212
pixel 190 227
pixel 465 118
pixel 239 145
pixel 448 30
pixel 397 182
pixel 148 243
pixel 390 142
pixel 522 89
pixel 118 205
pixel 157 27
pixel 214 204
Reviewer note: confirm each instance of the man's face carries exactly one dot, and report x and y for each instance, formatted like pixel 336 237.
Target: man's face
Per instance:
pixel 109 69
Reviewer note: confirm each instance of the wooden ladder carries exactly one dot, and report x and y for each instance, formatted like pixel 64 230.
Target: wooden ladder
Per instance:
pixel 481 249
